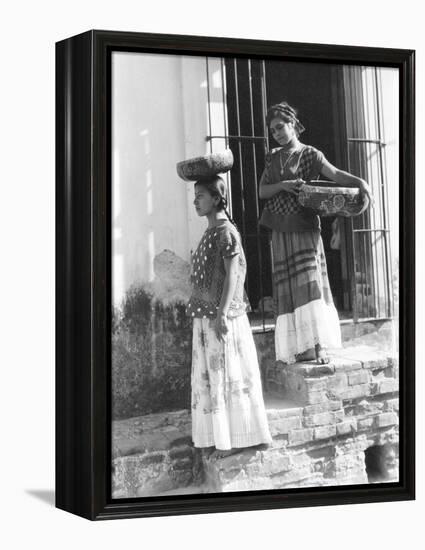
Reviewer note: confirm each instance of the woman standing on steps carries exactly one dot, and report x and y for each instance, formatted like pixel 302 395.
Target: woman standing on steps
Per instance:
pixel 307 321
pixel 227 402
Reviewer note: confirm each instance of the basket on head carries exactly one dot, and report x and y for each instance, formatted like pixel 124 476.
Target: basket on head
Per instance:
pixel 205 166
pixel 332 201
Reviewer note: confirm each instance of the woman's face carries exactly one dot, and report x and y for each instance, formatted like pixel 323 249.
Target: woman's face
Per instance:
pixel 204 202
pixel 282 131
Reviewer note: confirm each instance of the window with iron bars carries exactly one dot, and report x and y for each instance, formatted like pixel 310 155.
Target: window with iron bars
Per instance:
pixel 351 134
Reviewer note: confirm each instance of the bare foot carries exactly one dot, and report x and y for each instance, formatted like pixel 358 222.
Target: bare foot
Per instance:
pixel 221 453
pixel 321 355
pixel 207 451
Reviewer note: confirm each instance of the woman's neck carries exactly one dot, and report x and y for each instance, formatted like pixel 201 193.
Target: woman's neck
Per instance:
pixel 215 218
pixel 292 144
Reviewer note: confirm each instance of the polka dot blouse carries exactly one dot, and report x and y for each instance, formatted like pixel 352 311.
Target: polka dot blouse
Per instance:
pixel 208 273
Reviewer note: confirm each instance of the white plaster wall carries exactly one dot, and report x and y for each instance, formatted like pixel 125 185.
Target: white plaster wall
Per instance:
pixel 160 116
pixel 202 80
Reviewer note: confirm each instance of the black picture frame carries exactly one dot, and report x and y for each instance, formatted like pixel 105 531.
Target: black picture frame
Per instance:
pixel 83 231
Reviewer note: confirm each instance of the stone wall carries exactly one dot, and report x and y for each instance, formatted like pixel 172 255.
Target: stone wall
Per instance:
pixel 152 343
pixel 331 424
pixel 152 454
pixel 345 409
pixel 151 357
pixel 152 352
pixel 334 424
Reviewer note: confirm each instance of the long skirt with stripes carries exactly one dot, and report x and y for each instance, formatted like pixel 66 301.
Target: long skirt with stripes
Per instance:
pixel 227 401
pixel 306 314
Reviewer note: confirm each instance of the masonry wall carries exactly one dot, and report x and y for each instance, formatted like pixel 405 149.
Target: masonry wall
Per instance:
pixel 152 343
pixel 335 424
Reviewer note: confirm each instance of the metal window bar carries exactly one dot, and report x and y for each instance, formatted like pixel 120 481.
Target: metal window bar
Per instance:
pixel 241 171
pixel 240 138
pixel 223 101
pixel 370 245
pixel 366 249
pixel 385 209
pixel 257 205
pixel 266 149
pixel 208 99
pixel 373 278
pixel 248 140
pixel 385 248
pixel 226 130
pixel 225 122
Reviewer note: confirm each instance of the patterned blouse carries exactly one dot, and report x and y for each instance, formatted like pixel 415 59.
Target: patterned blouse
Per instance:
pixel 282 211
pixel 208 273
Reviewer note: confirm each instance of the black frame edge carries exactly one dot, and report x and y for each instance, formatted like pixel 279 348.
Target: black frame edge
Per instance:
pixel 196 44
pixel 74 465
pixel 407 274
pixel 82 435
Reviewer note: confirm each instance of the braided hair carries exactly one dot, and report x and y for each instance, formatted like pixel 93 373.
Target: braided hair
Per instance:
pixel 217 188
pixel 287 113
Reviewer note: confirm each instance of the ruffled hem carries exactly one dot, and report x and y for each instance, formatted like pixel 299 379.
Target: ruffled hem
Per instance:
pixel 314 323
pixel 232 429
pixel 227 402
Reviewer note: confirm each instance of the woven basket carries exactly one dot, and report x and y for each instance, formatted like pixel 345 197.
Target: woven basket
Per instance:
pixel 205 166
pixel 332 201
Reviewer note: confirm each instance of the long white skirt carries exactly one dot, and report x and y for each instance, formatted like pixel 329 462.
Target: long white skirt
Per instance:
pixel 227 401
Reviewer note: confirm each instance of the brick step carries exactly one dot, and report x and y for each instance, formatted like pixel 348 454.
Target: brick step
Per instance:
pixel 152 454
pixel 322 419
pixel 352 373
pixel 278 468
pixel 320 457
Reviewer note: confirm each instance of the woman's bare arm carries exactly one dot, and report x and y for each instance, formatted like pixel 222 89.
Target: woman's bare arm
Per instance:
pixel 268 190
pixel 231 268
pixel 345 178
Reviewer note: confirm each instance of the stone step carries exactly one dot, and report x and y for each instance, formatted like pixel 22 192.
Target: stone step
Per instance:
pixel 152 454
pixel 308 457
pixel 276 468
pixel 322 419
pixel 352 373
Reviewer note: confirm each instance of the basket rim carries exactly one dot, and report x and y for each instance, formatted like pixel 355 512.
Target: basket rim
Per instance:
pixel 226 153
pixel 330 188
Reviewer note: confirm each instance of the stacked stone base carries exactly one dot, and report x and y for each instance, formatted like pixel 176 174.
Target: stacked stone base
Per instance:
pixel 153 454
pixel 329 419
pixel 330 462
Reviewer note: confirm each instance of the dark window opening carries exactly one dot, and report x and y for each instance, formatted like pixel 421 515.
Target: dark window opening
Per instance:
pixel 382 463
pixel 330 102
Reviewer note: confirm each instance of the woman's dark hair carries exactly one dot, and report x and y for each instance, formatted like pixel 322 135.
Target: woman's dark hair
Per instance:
pixel 217 188
pixel 287 113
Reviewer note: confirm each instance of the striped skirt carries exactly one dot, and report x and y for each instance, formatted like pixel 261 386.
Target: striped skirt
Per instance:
pixel 306 314
pixel 227 401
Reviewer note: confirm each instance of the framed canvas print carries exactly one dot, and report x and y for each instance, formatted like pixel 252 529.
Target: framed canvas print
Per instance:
pixel 235 274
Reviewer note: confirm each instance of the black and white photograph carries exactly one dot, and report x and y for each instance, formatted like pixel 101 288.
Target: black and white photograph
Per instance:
pixel 254 274
pixel 212 232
